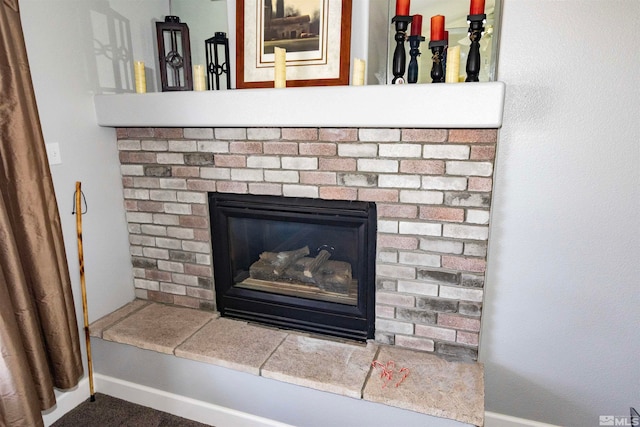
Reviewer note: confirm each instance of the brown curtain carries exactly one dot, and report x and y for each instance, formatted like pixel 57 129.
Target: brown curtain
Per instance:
pixel 39 340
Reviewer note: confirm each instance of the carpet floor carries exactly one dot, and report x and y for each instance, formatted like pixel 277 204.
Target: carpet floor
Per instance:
pixel 107 411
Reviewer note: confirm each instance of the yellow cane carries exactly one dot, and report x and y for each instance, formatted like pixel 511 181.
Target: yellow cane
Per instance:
pixel 83 286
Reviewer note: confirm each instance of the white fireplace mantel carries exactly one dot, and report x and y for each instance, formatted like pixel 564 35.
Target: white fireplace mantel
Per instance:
pixel 462 105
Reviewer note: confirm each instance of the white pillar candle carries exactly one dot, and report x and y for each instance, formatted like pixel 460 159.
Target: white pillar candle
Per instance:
pixel 358 72
pixel 140 78
pixel 280 68
pixel 199 79
pixel 453 65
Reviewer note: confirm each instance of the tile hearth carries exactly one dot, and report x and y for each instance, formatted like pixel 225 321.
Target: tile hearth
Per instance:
pixel 434 386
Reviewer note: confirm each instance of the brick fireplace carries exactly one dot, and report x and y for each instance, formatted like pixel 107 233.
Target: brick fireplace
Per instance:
pixel 432 189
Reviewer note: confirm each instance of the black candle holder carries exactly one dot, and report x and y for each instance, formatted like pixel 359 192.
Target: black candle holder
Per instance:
pixel 214 68
pixel 174 54
pixel 414 52
pixel 437 70
pixel 476 29
pixel 399 55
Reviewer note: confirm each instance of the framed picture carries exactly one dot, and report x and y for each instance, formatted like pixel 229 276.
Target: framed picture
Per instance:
pixel 315 33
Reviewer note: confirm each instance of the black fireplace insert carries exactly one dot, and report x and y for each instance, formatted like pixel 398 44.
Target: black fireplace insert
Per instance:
pixel 295 263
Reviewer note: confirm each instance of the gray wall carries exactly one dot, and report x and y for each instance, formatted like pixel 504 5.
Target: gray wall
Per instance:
pixel 560 335
pixel 559 338
pixel 65 44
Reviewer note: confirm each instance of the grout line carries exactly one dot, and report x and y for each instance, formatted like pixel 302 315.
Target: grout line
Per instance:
pixel 286 335
pixel 191 336
pixel 366 379
pixel 117 321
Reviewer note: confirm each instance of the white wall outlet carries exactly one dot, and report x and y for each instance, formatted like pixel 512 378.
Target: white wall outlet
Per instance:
pixel 53 153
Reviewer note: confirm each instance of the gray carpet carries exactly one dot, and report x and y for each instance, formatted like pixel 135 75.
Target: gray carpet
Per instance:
pixel 107 411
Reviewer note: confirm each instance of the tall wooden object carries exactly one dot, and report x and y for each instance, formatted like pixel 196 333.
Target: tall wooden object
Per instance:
pixel 174 54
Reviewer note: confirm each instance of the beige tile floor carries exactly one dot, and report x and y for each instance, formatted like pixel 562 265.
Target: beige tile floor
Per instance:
pixel 432 386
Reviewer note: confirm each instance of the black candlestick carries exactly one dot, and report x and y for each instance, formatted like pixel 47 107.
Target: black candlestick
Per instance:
pixel 414 52
pixel 444 58
pixel 399 55
pixel 437 70
pixel 476 29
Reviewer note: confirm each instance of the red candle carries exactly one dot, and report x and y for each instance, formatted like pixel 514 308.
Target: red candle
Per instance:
pixel 416 25
pixel 402 7
pixel 437 28
pixel 477 7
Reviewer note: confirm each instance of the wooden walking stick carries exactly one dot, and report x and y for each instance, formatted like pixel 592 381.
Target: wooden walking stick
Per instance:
pixel 83 286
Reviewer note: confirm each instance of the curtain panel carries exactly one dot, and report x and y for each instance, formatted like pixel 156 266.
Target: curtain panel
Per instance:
pixel 39 340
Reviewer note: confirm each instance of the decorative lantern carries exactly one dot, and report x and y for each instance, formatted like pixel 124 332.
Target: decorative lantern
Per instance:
pixel 174 54
pixel 214 68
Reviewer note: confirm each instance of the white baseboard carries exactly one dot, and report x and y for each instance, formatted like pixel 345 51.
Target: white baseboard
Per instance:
pixel 181 406
pixel 66 401
pixel 491 419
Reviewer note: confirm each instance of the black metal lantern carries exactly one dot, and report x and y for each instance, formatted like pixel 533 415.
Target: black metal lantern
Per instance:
pixel 174 54
pixel 214 68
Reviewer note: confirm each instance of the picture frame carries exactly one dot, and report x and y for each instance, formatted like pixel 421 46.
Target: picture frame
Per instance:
pixel 315 33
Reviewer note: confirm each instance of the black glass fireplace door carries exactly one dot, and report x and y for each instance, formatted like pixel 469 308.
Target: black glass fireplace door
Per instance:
pixel 305 264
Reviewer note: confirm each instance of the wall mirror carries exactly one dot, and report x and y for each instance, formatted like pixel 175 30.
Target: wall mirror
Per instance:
pixel 455 11
pixel 204 18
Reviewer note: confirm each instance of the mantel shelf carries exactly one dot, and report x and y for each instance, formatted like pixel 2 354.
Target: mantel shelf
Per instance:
pixel 462 105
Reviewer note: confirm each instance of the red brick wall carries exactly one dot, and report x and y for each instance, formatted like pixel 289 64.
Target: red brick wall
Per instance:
pixel 432 188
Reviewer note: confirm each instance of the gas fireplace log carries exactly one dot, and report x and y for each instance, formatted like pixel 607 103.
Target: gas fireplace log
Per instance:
pixel 296 274
pixel 334 276
pixel 281 260
pixel 330 276
pixel 296 270
pixel 314 265
pixel 262 270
